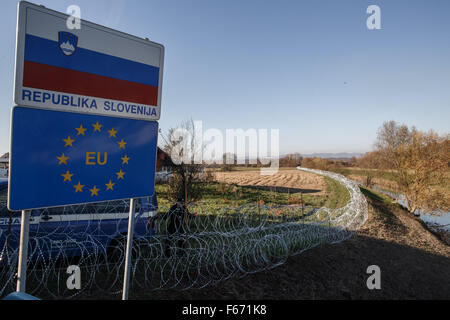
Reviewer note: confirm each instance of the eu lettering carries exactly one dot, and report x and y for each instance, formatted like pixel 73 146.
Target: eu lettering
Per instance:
pixel 90 158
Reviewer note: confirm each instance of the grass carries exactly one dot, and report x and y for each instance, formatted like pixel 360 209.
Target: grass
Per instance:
pixel 369 193
pixel 382 174
pixel 219 198
pixel 388 175
pixel 224 195
pixel 337 194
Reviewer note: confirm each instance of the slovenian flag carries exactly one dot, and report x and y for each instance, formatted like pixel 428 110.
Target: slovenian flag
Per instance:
pixel 78 62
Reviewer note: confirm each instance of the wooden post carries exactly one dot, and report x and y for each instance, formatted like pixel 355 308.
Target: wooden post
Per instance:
pixel 258 198
pixel 185 203
pixel 302 203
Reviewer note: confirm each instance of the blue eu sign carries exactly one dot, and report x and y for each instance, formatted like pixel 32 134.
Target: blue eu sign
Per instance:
pixel 59 158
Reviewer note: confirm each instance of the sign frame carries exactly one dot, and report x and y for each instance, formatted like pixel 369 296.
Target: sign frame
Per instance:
pixel 23 7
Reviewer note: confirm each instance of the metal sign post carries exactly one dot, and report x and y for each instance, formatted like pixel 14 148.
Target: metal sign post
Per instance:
pixel 126 279
pixel 23 251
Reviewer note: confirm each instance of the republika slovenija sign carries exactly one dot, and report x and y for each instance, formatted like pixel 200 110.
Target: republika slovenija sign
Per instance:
pixel 85 126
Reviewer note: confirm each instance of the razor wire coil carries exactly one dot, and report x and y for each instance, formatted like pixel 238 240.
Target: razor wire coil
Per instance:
pixel 215 245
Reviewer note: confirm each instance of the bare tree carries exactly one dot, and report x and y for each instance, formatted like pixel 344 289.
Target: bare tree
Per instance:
pixel 183 145
pixel 420 164
pixel 291 160
pixel 229 161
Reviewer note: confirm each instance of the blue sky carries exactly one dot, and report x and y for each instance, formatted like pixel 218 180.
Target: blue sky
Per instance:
pixel 309 68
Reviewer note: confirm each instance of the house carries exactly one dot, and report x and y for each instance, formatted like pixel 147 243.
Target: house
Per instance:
pixel 164 166
pixel 163 161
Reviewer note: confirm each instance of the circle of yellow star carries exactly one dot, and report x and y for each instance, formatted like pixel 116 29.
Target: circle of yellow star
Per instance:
pixel 112 133
pixel 81 130
pixel 120 174
pixel 67 176
pixel 62 159
pixel 94 191
pixel 68 141
pixel 97 127
pixel 122 144
pixel 78 187
pixel 125 159
pixel 109 186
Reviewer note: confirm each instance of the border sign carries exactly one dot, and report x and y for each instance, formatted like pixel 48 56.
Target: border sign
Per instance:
pixel 93 70
pixel 60 158
pixel 70 143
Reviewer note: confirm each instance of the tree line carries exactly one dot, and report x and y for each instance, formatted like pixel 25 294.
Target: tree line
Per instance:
pixel 418 162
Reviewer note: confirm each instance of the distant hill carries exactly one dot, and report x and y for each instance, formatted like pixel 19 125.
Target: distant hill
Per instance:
pixel 342 155
pixel 336 156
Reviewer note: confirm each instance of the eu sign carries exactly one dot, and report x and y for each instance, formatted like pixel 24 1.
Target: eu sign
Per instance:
pixel 84 129
pixel 93 69
pixel 60 158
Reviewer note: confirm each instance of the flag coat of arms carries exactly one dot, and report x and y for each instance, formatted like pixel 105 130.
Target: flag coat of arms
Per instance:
pixel 67 42
pixel 59 158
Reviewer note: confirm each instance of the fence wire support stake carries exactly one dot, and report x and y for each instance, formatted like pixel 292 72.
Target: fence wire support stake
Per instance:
pixel 23 251
pixel 126 279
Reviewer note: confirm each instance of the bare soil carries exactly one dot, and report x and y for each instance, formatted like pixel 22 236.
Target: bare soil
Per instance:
pixel 295 180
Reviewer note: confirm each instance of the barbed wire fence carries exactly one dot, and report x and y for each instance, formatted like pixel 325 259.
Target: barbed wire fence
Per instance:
pixel 175 248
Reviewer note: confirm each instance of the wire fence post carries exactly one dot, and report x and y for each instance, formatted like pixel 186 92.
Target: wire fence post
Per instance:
pixel 185 204
pixel 302 203
pixel 126 279
pixel 289 195
pixel 258 203
pixel 23 251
